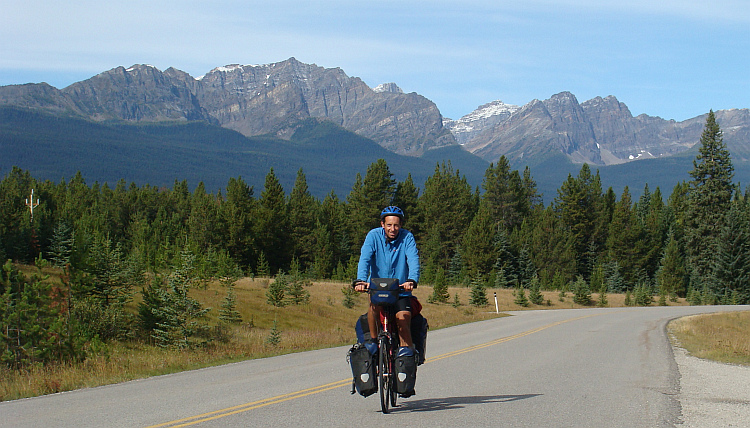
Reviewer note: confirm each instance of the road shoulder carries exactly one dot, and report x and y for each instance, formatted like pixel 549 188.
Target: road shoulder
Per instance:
pixel 712 394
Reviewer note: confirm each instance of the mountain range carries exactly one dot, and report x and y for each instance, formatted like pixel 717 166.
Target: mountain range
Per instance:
pixel 272 102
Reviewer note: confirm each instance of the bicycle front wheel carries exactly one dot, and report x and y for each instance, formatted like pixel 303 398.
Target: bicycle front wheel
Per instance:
pixel 384 373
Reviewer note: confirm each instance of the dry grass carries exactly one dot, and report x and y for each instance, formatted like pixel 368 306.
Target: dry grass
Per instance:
pixel 323 322
pixel 721 337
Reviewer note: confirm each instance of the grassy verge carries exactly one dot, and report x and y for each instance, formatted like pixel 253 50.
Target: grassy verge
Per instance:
pixel 323 322
pixel 723 337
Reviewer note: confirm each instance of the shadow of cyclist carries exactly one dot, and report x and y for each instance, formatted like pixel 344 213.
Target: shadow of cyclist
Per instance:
pixel 449 403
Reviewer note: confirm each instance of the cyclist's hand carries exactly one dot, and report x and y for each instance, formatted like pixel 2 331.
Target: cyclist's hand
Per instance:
pixel 408 286
pixel 360 286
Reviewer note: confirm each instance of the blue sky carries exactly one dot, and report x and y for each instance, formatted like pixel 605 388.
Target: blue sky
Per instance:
pixel 669 58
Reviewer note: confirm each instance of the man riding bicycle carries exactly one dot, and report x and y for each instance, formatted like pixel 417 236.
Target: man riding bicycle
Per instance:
pixel 391 252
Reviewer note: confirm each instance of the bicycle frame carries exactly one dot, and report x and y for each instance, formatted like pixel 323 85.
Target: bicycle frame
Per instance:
pixel 387 347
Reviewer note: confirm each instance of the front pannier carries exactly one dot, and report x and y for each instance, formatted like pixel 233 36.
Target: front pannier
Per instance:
pixel 363 370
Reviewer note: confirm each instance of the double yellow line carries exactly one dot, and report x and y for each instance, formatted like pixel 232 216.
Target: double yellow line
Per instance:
pixel 205 417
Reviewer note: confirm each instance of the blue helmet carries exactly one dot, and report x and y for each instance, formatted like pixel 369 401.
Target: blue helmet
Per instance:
pixel 392 210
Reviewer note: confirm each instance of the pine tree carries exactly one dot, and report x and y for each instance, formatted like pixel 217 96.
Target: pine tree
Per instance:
pixel 272 225
pixel 349 294
pixel 228 312
pixel 61 246
pixel 446 208
pixel 477 247
pixel 262 269
pixel 535 291
pixel 671 274
pixel 709 197
pixel 520 294
pixel 579 205
pixel 439 288
pixel 274 337
pixel 581 292
pixel 295 292
pixel 277 291
pixel 602 302
pixel 303 212
pixel 478 293
pixel 623 234
pixel 731 269
pixel 180 318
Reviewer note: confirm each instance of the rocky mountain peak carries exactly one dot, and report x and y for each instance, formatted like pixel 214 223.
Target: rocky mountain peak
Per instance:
pixel 251 99
pixel 388 87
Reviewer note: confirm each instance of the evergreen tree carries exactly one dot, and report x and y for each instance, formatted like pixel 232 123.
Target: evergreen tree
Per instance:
pixel 61 246
pixel 446 207
pixel 456 269
pixel 180 318
pixel 296 293
pixel 406 197
pixel 439 288
pixel 535 291
pixel 368 198
pixel 624 232
pixel 32 328
pixel 277 290
pixel 581 292
pixel 238 212
pixel 613 278
pixel 477 247
pixel 671 274
pixel 508 197
pixel 303 212
pixel 731 269
pixel 228 312
pixel 349 294
pixel 579 205
pixel 520 294
pixel 602 302
pixel 272 225
pixel 274 337
pixel 709 197
pixel 262 269
pixel 478 293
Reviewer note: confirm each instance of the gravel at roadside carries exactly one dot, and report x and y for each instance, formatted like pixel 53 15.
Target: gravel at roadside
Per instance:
pixel 712 394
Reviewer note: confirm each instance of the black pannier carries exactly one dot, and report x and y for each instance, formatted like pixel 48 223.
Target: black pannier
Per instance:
pixel 406 374
pixel 363 370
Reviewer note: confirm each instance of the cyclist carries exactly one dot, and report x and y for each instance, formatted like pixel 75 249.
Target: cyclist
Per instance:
pixel 391 252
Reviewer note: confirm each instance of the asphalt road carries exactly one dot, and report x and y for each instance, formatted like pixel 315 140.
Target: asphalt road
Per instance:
pixel 609 367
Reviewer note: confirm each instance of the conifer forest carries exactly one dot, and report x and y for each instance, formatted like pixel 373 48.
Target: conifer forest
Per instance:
pixel 113 242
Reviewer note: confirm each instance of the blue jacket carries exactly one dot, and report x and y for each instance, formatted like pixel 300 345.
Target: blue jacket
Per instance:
pixel 382 259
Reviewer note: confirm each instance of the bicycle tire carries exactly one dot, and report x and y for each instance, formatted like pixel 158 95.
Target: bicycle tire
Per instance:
pixel 384 373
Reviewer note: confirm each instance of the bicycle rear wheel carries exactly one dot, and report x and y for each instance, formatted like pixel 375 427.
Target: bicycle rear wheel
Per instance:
pixel 384 373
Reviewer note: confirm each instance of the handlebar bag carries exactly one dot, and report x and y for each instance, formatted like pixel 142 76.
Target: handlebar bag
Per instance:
pixel 384 291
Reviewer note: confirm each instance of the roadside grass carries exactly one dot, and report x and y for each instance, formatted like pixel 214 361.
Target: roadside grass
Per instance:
pixel 321 323
pixel 723 337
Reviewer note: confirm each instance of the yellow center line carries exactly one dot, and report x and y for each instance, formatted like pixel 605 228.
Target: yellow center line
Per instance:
pixel 338 384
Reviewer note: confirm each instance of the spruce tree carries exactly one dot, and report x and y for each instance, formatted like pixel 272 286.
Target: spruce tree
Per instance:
pixel 709 197
pixel 581 292
pixel 478 293
pixel 439 288
pixel 535 291
pixel 277 290
pixel 671 274
pixel 520 294
pixel 272 224
pixel 302 212
pixel 228 312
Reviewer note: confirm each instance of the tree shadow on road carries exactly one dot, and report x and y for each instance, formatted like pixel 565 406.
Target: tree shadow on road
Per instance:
pixel 449 403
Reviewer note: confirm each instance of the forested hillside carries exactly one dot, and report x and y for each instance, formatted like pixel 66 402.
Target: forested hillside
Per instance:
pixel 116 242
